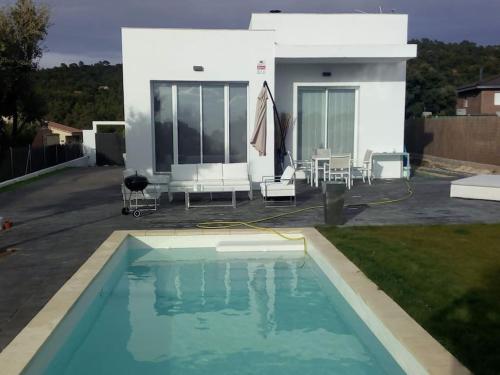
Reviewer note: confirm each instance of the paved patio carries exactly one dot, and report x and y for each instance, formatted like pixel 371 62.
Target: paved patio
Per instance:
pixel 61 219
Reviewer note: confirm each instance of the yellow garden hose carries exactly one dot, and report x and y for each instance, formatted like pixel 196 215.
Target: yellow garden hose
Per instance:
pixel 231 224
pixel 409 193
pixel 251 224
pixel 216 224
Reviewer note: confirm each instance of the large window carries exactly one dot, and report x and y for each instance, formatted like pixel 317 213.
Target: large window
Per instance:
pixel 213 124
pixel 326 120
pixel 163 125
pixel 188 124
pixel 199 123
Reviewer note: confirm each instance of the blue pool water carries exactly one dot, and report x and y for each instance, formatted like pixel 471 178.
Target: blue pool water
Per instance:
pixel 203 314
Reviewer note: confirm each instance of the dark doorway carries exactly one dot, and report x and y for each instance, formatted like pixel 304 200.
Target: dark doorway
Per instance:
pixel 110 148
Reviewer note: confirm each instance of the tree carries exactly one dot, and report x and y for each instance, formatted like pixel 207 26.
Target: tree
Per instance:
pixel 77 95
pixel 23 27
pixel 433 77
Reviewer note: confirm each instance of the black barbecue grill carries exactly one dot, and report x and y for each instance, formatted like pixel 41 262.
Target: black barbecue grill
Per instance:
pixel 136 184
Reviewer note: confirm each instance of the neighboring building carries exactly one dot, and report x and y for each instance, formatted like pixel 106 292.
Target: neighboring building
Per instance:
pixel 480 98
pixel 45 137
pixel 190 94
pixel 66 134
pixel 53 133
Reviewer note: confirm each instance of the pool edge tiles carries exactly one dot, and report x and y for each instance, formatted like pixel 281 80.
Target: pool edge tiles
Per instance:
pixel 410 346
pixel 413 348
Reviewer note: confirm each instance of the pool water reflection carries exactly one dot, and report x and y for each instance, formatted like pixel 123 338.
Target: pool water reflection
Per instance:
pixel 221 316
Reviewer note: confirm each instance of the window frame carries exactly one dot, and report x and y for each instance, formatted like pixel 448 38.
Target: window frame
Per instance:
pixel 175 129
pixel 496 98
pixel 325 86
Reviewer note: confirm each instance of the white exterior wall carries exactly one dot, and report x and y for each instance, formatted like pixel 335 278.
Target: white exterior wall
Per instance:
pixel 365 51
pixel 380 104
pixel 88 140
pixel 334 29
pixel 169 55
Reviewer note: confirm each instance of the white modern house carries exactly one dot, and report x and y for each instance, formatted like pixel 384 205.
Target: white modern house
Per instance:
pixel 190 94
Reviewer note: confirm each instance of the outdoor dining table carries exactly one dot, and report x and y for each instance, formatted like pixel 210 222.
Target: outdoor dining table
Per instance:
pixel 316 160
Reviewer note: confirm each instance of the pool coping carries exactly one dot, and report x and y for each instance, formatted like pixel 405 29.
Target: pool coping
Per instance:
pixel 427 351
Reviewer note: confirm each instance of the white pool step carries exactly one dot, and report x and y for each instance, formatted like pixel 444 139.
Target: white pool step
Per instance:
pixel 278 245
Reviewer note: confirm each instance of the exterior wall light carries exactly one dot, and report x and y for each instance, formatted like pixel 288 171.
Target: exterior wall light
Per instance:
pixel 198 68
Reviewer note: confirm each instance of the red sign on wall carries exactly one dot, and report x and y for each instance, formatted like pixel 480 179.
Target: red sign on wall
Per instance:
pixel 261 67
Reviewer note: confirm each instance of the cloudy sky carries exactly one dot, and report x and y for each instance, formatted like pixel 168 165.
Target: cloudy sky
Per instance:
pixel 89 30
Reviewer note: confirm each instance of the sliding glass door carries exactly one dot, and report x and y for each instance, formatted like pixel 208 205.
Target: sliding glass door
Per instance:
pixel 340 121
pixel 326 119
pixel 199 123
pixel 312 120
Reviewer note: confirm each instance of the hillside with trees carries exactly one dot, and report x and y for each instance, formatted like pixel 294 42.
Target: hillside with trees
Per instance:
pixel 440 68
pixel 77 94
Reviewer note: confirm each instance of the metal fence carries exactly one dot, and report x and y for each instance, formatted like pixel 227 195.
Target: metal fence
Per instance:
pixel 18 161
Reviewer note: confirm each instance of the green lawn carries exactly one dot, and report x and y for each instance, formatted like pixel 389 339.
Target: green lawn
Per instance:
pixel 447 277
pixel 31 180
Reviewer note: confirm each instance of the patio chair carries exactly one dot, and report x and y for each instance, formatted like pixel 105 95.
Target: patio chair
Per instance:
pixel 339 167
pixel 279 186
pixel 301 165
pixel 320 153
pixel 366 168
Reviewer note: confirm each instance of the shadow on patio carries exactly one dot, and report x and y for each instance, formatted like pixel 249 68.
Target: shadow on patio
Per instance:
pixel 309 207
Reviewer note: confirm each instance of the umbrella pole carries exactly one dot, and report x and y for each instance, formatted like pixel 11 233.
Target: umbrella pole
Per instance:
pixel 276 114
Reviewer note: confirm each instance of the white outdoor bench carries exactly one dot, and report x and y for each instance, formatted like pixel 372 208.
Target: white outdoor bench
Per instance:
pixel 210 177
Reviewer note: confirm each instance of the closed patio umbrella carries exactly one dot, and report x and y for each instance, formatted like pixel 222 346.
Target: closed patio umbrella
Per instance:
pixel 258 140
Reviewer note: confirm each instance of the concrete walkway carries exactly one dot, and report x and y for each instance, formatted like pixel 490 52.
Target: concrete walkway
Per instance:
pixel 61 219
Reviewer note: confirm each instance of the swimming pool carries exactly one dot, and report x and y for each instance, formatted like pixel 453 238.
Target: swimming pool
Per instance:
pixel 189 305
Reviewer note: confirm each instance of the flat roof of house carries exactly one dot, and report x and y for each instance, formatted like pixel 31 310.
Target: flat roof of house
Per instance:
pixel 192 29
pixel 329 14
pixel 281 14
pixel 489 83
